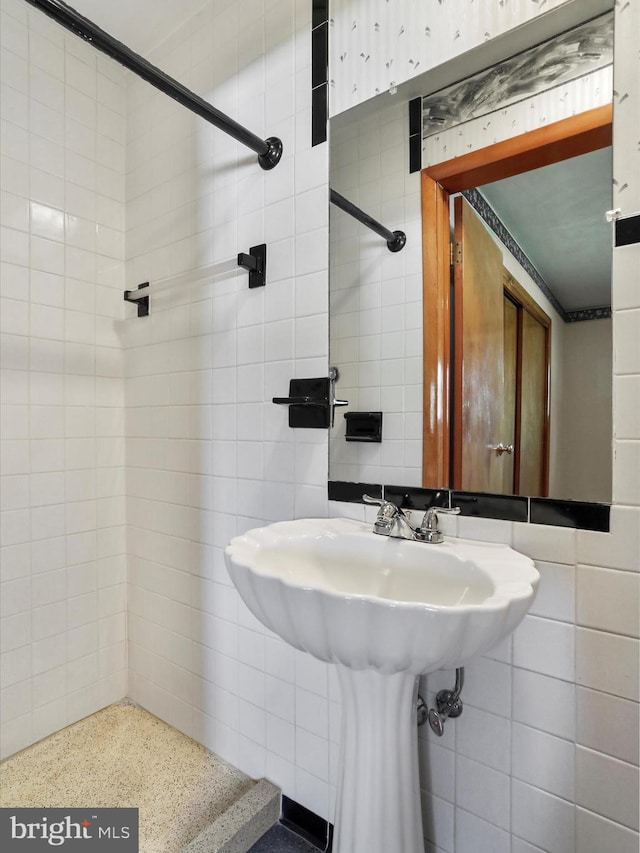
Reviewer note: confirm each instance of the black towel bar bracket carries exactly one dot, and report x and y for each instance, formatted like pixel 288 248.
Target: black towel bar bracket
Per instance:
pixel 256 263
pixel 139 299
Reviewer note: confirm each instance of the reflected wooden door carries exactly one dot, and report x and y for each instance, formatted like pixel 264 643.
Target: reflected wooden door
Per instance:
pixel 532 443
pixel 478 374
pixel 500 370
pixel 510 393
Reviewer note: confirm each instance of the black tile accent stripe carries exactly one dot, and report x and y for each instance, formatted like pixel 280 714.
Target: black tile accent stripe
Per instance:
pixel 628 230
pixel 412 497
pixel 415 135
pixel 415 153
pixel 319 71
pixel 352 492
pixel 503 507
pixel 586 516
pixel 320 12
pixel 549 511
pixel 306 824
pixel 319 115
pixel 319 55
pixel 415 116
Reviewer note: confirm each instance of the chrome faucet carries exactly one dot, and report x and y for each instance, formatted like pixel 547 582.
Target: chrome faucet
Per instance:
pixel 392 521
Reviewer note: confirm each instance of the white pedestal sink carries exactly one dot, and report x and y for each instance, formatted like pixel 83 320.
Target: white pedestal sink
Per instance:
pixel 385 611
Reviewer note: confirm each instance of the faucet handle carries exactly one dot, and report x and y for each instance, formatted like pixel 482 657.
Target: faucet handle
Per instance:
pixel 429 526
pixel 387 517
pixel 369 500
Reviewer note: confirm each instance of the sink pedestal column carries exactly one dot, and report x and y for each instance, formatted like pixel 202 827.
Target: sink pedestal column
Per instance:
pixel 378 808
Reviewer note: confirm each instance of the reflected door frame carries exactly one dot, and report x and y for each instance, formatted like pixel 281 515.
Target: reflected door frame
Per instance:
pixel 561 140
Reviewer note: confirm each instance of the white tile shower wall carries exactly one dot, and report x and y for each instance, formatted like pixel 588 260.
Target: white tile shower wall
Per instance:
pixel 376 300
pixel 63 558
pixel 208 454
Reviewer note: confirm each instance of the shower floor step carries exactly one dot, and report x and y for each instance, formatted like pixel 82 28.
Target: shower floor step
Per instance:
pixel 189 800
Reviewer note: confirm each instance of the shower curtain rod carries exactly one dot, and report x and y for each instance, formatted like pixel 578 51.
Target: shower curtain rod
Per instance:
pixel 269 150
pixel 395 239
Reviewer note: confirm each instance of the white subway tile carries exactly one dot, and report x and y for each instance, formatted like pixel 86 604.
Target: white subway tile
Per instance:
pixel 438 819
pixel 626 396
pixel 542 819
pixel 556 594
pixel 437 768
pixel 544 761
pixel 607 724
pixel 540 542
pixel 483 791
pixel 595 834
pixel 545 703
pixel 477 836
pixel 607 786
pixel 485 738
pixel 609 600
pixel 546 647
pixel 607 662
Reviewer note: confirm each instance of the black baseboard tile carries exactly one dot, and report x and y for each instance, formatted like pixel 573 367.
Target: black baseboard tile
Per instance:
pixel 306 824
pixel 352 492
pixel 413 497
pixel 503 507
pixel 586 516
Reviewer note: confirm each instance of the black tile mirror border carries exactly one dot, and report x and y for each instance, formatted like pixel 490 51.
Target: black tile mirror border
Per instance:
pixel 559 513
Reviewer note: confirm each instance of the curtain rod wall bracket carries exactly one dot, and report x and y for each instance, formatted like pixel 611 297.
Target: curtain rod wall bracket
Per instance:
pixel 397 244
pixel 272 157
pixel 269 150
pixel 396 240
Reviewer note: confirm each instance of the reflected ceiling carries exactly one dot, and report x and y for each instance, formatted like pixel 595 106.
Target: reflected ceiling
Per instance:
pixel 556 214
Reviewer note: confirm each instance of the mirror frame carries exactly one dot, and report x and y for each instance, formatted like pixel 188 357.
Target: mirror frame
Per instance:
pixel 579 134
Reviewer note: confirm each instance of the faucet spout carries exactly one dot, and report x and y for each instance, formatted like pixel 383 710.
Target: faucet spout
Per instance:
pixel 391 520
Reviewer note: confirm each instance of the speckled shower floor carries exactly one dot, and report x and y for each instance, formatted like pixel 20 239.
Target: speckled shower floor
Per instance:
pixel 122 757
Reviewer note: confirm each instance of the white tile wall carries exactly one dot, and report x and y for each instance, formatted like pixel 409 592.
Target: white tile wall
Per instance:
pixel 376 327
pixel 207 456
pixel 62 388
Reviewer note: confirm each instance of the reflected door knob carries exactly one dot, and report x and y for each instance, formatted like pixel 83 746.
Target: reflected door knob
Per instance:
pixel 503 448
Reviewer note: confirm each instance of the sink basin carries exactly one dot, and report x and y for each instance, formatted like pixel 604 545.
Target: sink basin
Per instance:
pixel 344 594
pixel 383 611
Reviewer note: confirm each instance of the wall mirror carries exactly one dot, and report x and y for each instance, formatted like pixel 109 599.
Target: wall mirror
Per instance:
pixel 416 345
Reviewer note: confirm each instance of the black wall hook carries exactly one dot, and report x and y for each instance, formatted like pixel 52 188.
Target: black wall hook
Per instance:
pixel 256 263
